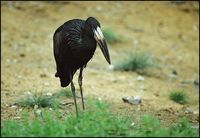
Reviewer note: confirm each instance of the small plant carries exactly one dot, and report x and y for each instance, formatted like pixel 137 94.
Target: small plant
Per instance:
pixel 135 62
pixel 183 129
pixel 41 100
pixel 178 96
pixel 110 36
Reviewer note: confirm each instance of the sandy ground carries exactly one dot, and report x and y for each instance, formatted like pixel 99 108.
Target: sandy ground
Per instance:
pixel 169 32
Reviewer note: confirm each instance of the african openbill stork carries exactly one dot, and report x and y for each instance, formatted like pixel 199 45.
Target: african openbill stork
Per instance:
pixel 74 44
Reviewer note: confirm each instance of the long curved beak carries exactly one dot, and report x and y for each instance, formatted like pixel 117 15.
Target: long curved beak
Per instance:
pixel 102 43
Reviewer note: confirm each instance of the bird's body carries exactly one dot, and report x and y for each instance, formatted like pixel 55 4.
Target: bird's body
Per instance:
pixel 74 44
pixel 72 51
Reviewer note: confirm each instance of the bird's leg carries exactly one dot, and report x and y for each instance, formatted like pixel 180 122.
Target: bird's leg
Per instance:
pixel 74 95
pixel 80 77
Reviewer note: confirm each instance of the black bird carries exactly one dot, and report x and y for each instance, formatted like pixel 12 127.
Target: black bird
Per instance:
pixel 74 44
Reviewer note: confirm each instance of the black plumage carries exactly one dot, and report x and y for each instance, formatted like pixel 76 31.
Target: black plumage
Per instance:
pixel 74 44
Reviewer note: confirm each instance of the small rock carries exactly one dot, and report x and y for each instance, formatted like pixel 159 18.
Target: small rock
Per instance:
pixel 135 42
pixel 17 117
pixel 14 106
pixel 172 76
pixel 188 111
pixel 22 55
pixel 195 27
pixel 36 106
pixel 99 99
pixel 136 100
pixel 132 124
pixel 6 105
pixel 46 84
pixel 140 78
pixel 98 8
pixel 196 112
pixel 8 60
pixel 196 82
pixel 38 112
pixel 174 72
pixel 49 94
pixel 43 75
pixel 111 67
pixel 15 60
pixel 28 93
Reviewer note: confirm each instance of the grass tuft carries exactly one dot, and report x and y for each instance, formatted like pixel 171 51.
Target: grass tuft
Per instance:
pixel 110 36
pixel 178 96
pixel 97 120
pixel 42 99
pixel 38 99
pixel 134 62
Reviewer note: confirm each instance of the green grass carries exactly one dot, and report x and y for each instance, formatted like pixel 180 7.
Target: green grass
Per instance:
pixel 63 93
pixel 97 120
pixel 110 36
pixel 178 96
pixel 135 62
pixel 42 99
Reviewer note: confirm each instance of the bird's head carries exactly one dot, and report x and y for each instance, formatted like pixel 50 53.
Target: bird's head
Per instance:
pixel 94 27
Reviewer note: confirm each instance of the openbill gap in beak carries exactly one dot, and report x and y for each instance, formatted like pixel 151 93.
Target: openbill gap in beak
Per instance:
pixel 102 43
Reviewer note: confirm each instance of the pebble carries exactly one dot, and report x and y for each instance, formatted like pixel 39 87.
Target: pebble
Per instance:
pixel 196 82
pixel 140 78
pixel 172 76
pixel 28 93
pixel 36 106
pixel 132 124
pixel 111 67
pixel 195 28
pixel 98 8
pixel 136 100
pixel 99 99
pixel 15 60
pixel 174 72
pixel 17 117
pixel 46 84
pixel 196 112
pixel 188 111
pixel 43 75
pixel 135 42
pixel 22 55
pixel 38 112
pixel 8 60
pixel 14 106
pixel 49 94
